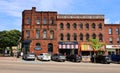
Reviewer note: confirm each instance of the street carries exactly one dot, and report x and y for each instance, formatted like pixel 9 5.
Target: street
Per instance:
pixel 56 67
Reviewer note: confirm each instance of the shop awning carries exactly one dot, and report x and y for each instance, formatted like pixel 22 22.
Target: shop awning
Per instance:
pixel 86 48
pixel 89 48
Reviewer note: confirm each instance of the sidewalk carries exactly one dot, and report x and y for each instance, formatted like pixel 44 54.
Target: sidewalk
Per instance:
pixel 10 59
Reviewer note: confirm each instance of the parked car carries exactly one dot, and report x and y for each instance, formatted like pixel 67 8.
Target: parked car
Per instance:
pixel 74 58
pixel 115 58
pixel 101 59
pixel 58 57
pixel 29 56
pixel 44 57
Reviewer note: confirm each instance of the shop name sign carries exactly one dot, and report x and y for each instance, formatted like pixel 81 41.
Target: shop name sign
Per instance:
pixel 67 42
pixel 112 46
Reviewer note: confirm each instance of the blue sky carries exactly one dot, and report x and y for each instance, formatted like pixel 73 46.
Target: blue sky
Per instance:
pixel 11 10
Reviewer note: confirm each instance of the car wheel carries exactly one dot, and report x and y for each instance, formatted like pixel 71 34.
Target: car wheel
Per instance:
pixel 73 60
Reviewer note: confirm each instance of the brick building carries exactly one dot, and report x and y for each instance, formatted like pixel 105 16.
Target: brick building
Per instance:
pixel 62 33
pixel 112 38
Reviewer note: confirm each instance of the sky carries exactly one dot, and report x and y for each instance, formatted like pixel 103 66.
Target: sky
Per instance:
pixel 11 10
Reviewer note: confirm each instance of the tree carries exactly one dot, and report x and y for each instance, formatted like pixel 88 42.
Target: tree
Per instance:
pixel 9 38
pixel 95 44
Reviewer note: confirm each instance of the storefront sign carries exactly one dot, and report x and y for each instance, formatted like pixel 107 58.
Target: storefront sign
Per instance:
pixel 113 46
pixel 68 43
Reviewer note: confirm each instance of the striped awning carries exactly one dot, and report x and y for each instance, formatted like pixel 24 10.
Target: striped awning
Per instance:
pixel 86 48
pixel 89 48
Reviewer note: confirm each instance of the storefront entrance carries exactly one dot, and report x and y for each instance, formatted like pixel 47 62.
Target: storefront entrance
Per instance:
pixel 68 48
pixel 50 48
pixel 68 51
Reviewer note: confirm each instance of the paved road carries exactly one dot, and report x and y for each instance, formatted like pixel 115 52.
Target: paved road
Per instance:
pixel 56 67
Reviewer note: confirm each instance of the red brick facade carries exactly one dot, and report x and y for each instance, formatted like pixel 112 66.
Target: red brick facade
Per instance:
pixel 80 27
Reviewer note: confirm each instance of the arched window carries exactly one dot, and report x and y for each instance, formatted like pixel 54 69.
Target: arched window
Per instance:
pixel 74 25
pixel 51 21
pixel 38 46
pixel 100 37
pixel 28 20
pixel 75 36
pixel 87 36
pixel 51 34
pixel 81 37
pixel 44 34
pixel 87 26
pixel 100 25
pixel 61 26
pixel 61 36
pixel 93 25
pixel 68 36
pixel 94 36
pixel 68 25
pixel 81 26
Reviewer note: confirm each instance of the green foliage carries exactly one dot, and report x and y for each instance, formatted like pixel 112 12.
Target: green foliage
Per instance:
pixel 95 44
pixel 9 38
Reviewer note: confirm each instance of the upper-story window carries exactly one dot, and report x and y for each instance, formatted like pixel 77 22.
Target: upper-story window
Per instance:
pixel 118 40
pixel 100 37
pixel 44 34
pixel 117 30
pixel 94 36
pixel 37 34
pixel 75 36
pixel 51 34
pixel 68 25
pixel 110 30
pixel 27 33
pixel 61 36
pixel 111 40
pixel 28 20
pixel 68 37
pixel 87 26
pixel 100 25
pixel 51 21
pixel 81 37
pixel 87 36
pixel 38 21
pixel 74 25
pixel 93 25
pixel 45 21
pixel 61 26
pixel 81 26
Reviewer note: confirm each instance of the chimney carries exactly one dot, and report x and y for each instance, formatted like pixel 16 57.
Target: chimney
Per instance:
pixel 34 9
